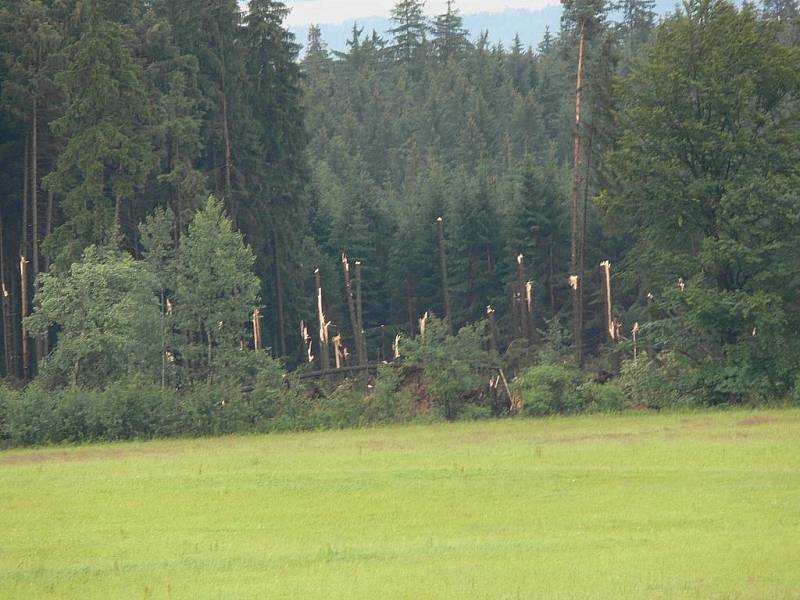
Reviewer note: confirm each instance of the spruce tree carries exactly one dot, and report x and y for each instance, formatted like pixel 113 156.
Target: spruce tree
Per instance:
pixel 411 28
pixel 449 35
pixel 107 154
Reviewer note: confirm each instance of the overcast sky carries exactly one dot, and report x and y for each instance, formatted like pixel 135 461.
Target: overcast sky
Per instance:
pixel 335 11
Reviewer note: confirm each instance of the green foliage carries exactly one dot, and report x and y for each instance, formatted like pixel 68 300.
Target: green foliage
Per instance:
pixel 706 174
pixel 104 309
pixel 453 367
pixel 550 390
pixel 215 292
pixel 107 155
pixel 655 384
pixel 602 397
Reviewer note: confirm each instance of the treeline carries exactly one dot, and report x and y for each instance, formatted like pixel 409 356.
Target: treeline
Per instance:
pixel 626 188
pixel 111 109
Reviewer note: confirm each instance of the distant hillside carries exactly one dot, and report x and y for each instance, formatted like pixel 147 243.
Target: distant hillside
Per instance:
pixel 529 24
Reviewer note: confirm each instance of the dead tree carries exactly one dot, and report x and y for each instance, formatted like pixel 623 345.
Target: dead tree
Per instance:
pixel 354 322
pixel 257 330
pixel 492 321
pixel 360 313
pixel 323 326
pixel 448 317
pixel 576 218
pixel 524 299
pixel 26 356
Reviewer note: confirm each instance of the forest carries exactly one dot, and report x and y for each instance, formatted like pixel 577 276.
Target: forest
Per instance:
pixel 202 227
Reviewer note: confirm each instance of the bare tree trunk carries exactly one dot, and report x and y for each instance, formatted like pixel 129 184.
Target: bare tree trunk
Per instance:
pixel 257 330
pixel 551 280
pixel 40 340
pixel 24 238
pixel 411 308
pixel 8 344
pixel 26 357
pixel 210 370
pixel 575 214
pixel 490 316
pixel 279 294
pixel 524 304
pixel 448 317
pixel 227 140
pixel 35 189
pixel 360 313
pixel 323 326
pixel 352 309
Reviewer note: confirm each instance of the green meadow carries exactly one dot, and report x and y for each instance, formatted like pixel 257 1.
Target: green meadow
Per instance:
pixel 695 505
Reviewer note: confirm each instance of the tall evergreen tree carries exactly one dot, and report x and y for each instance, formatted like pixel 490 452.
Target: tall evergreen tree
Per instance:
pixel 107 155
pixel 411 28
pixel 449 35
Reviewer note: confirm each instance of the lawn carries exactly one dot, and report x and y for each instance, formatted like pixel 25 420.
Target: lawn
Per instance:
pixel 700 505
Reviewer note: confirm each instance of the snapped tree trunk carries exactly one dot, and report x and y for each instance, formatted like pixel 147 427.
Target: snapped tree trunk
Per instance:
pixel 323 325
pixel 26 356
pixel 360 313
pixel 279 292
pixel 448 317
pixel 356 326
pixel 576 219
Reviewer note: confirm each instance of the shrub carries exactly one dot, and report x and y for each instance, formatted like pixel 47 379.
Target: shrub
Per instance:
pixel 549 389
pixel 651 384
pixel 453 366
pixel 602 397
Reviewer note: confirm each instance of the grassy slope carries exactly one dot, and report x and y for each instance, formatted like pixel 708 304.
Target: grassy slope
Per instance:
pixel 655 506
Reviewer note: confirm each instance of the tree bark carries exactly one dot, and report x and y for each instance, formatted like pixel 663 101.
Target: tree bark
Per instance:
pixel 411 308
pixel 227 140
pixel 575 213
pixel 352 310
pixel 26 356
pixel 279 294
pixel 8 343
pixel 448 317
pixel 323 326
pixel 360 312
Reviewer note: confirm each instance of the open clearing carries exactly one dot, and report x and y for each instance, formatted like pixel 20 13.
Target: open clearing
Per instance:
pixel 700 505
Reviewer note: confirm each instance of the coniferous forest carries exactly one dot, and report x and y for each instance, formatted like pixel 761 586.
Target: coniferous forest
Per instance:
pixel 206 228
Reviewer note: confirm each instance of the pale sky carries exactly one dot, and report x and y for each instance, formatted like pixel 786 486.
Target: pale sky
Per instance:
pixel 336 11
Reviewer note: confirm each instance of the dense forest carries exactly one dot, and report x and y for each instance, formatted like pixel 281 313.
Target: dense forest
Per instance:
pixel 178 188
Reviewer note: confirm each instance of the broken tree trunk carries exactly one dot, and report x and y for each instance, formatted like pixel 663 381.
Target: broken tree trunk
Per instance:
pixel 448 317
pixel 607 301
pixel 257 345
pixel 279 294
pixel 360 313
pixel 411 308
pixel 575 212
pixel 354 322
pixel 8 343
pixel 26 357
pixel 323 326
pixel 524 299
pixel 490 317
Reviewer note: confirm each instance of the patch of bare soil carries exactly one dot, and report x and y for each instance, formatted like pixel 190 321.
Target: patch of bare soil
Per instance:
pixel 756 421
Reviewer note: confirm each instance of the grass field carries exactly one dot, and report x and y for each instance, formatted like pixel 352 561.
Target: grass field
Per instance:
pixel 702 505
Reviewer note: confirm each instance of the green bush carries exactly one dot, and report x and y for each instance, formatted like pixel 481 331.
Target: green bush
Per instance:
pixel 453 366
pixel 602 397
pixel 549 390
pixel 652 384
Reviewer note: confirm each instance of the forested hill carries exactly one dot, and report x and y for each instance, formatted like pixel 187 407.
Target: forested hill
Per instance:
pixel 503 25
pixel 675 158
